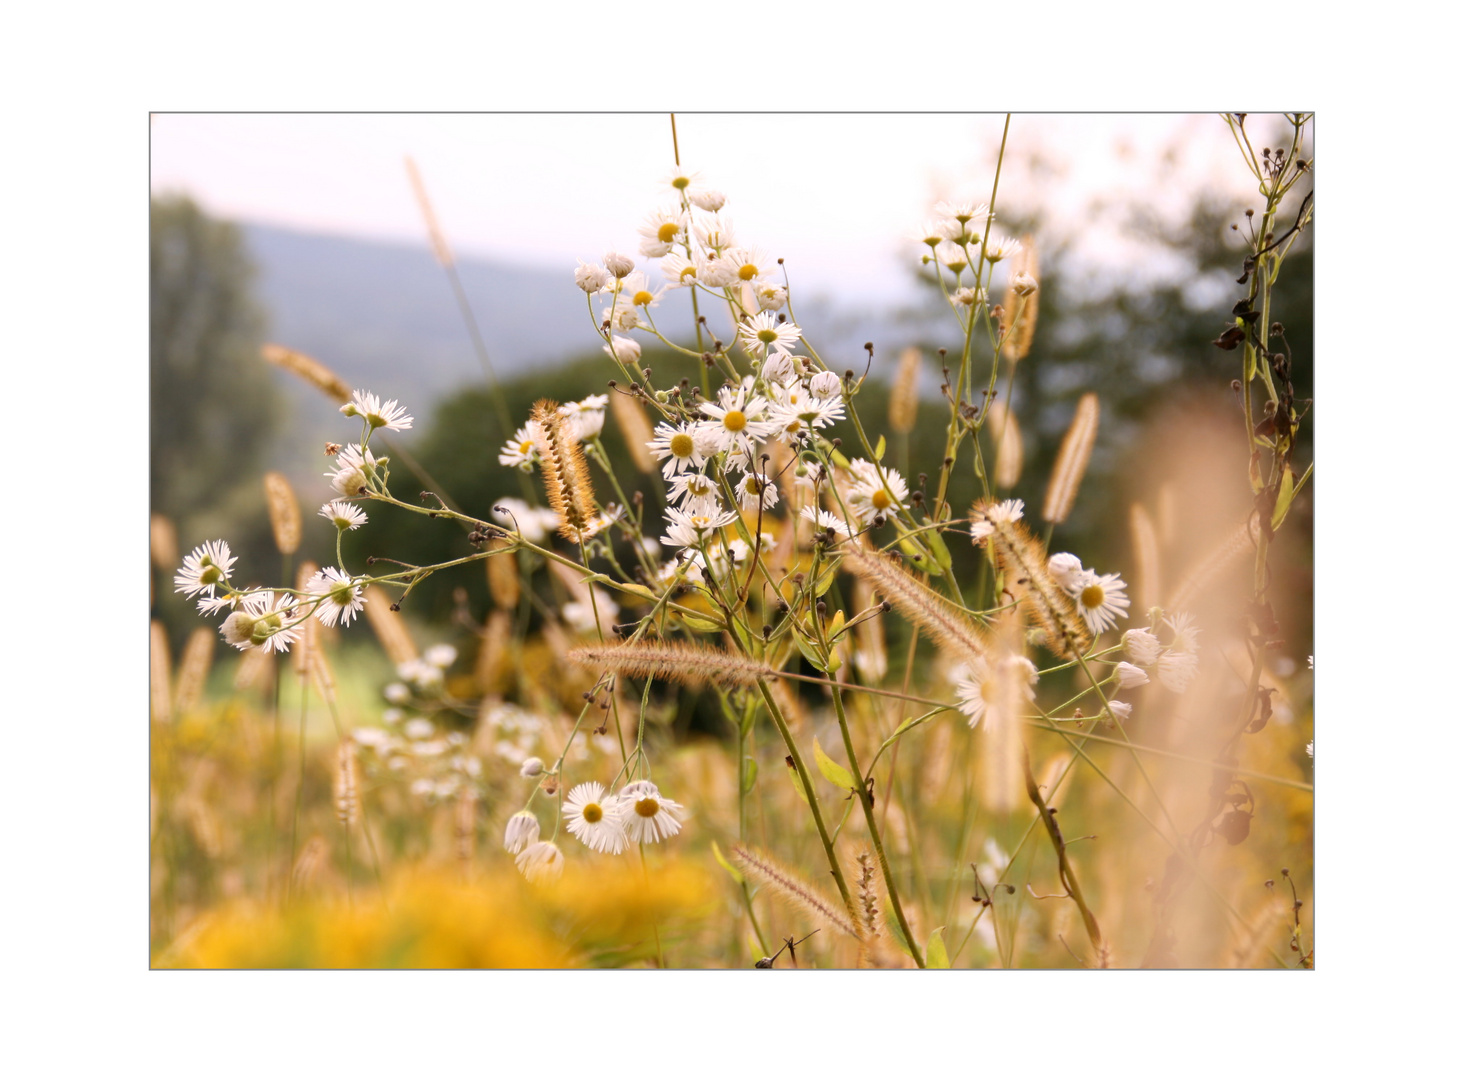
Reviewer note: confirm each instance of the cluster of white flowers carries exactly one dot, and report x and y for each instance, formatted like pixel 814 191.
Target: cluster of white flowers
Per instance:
pixel 438 765
pixel 1176 663
pixel 956 237
pixel 604 822
pixel 1101 598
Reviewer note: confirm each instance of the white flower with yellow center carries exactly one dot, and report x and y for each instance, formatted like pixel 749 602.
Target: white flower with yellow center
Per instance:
pixel 982 688
pixel 390 416
pixel 1000 247
pixel 954 258
pixel 871 494
pixel 521 451
pixel 762 332
pixel 822 520
pixel 716 234
pixel 756 492
pixel 682 181
pixel 594 819
pixel 541 862
pixel 1101 599
pixel 340 596
pixel 636 290
pixel 695 492
pixel 261 621
pixel 753 266
pixel 736 423
pixel 678 270
pixel 963 212
pixel 681 447
pixel 204 568
pixel 691 528
pixel 660 231
pixel 343 515
pixel 647 816
pixel 770 296
pixel 353 467
pixel 1001 513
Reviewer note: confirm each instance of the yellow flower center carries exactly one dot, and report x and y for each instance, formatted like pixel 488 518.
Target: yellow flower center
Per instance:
pixel 766 337
pixel 753 487
pixel 988 690
pixel 682 445
pixel 689 271
pixel 680 183
pixel 747 271
pixel 735 420
pixel 525 447
pixel 593 813
pixel 647 807
pixel 342 595
pixel 881 500
pixel 1092 596
pixel 667 232
pixel 210 576
pixel 642 298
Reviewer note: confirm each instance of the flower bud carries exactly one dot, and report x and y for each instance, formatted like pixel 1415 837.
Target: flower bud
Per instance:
pixel 625 350
pixel 532 767
pixel 618 265
pixel 590 277
pixel 825 384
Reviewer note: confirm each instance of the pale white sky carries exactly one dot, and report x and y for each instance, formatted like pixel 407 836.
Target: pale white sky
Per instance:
pixel 836 195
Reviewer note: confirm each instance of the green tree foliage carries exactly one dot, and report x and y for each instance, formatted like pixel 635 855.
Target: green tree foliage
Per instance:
pixel 213 406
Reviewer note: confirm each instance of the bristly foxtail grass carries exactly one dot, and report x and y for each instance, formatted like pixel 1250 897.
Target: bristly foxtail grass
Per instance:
pixel 565 472
pixel 950 628
pixel 636 431
pixel 1243 539
pixel 903 398
pixel 502 574
pixel 310 370
pixel 1004 430
pixel 495 635
pixel 284 512
pixel 675 661
pixel 766 870
pixel 1072 460
pixel 1021 558
pixel 390 628
pixel 162 537
pixel 1001 747
pixel 193 669
pixel 309 639
pixel 1026 261
pixel 159 675
pixel 1145 556
pixel 347 790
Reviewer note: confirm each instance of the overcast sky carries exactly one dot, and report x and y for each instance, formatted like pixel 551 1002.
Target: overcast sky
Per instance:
pixel 836 195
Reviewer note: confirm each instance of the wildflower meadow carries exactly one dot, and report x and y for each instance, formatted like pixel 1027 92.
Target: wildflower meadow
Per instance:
pixel 739 647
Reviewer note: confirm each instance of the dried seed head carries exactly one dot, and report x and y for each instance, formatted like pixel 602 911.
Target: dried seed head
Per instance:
pixel 1004 432
pixel 673 660
pixel 903 398
pixel 636 430
pixel 390 628
pixel 284 512
pixel 1072 460
pixel 1022 295
pixel 347 793
pixel 502 574
pixel 766 870
pixel 950 628
pixel 1021 558
pixel 193 669
pixel 565 472
pixel 310 370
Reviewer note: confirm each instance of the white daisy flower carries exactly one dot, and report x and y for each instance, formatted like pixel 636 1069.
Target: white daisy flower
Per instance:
pixel 1120 710
pixel 716 234
pixel 352 470
pixel 647 816
pixel 714 272
pixel 1177 669
pixel 1000 247
pixel 1142 647
pixel 440 656
pixel 931 233
pixel 695 492
pixel 625 350
pixel 953 257
pixel 341 596
pixel 678 271
pixel 343 515
pixel 963 212
pixel 212 605
pixel 205 567
pixel 587 415
pixel 795 410
pixel 682 181
pixel 390 416
pixel 660 231
pixel 981 687
pixel 688 529
pixel 770 296
pixel 1185 634
pixel 1101 599
pixel 869 495
pixel 752 264
pixel 541 862
pixel 259 622
pixel 1002 512
pixel 1066 568
pixel 591 277
pixel 821 520
pixel 708 199
pixel 636 289
pixel 620 266
pixel 763 331
pixel 681 447
pixel 737 422
pixel 621 314
pixel 1130 675
pixel 594 819
pixel 533 522
pixel 756 491
pixel 521 451
pixel 825 384
pixel 780 369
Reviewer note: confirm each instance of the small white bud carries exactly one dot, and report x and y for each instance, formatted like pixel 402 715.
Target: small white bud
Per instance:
pixel 619 265
pixel 825 384
pixel 531 767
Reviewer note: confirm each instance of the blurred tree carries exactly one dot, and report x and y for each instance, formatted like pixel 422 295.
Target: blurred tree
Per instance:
pixel 213 405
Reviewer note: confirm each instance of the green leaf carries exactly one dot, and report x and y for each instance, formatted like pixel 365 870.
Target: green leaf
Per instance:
pixel 1284 498
pixel 749 780
pixel 935 954
pixel 735 873
pixel 880 448
pixel 941 550
pixel 703 626
pixel 829 768
pixel 797 783
pixel 919 557
pixel 807 647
